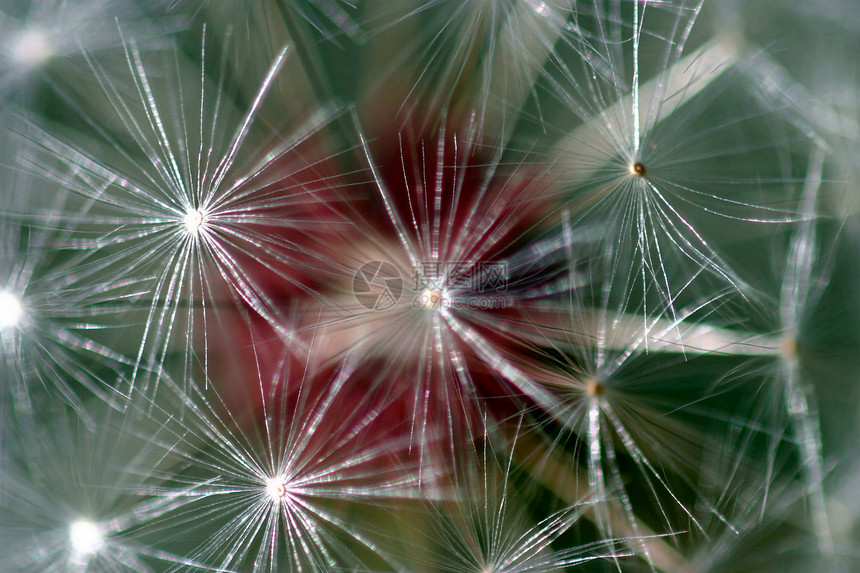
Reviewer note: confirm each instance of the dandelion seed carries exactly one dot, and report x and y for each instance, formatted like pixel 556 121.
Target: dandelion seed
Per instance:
pixel 202 217
pixel 451 210
pixel 760 511
pixel 788 401
pixel 488 529
pixel 75 500
pixel 56 306
pixel 666 154
pixel 614 418
pixel 35 36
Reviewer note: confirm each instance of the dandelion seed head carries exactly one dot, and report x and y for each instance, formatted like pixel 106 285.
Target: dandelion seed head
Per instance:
pixel 11 310
pixel 85 537
pixel 193 221
pixel 638 169
pixel 31 48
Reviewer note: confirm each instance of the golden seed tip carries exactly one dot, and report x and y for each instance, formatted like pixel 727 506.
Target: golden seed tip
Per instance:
pixel 788 347
pixel 638 169
pixel 594 387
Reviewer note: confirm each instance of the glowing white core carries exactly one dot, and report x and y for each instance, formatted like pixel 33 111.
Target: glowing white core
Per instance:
pixel 11 310
pixel 32 48
pixel 193 220
pixel 276 488
pixel 85 537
